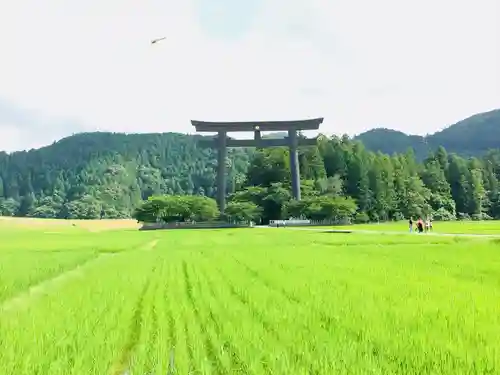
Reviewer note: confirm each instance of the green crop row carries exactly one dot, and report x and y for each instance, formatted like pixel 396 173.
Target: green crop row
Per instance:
pixel 257 301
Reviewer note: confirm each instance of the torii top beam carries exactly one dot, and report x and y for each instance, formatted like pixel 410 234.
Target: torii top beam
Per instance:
pixel 248 126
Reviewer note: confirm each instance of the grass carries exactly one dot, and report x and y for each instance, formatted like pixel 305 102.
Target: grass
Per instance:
pixel 253 301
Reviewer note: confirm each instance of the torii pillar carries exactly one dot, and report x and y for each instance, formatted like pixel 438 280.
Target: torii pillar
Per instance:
pixel 222 142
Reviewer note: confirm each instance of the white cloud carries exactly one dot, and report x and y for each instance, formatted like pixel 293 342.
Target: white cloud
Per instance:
pixel 415 66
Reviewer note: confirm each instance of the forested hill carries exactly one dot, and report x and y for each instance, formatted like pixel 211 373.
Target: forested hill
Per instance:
pixel 93 175
pixel 90 174
pixel 472 136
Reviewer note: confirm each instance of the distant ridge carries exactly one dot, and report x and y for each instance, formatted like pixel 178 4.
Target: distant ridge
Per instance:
pixel 472 136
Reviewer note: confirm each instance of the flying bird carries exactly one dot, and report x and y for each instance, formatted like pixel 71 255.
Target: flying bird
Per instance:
pixel 157 40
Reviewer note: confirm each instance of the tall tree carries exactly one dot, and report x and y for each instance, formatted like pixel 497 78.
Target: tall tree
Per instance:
pixel 434 179
pixel 476 194
pixel 458 178
pixel 357 181
pixel 269 166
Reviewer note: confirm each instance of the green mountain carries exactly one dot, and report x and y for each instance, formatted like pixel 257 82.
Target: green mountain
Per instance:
pixel 109 172
pixel 472 136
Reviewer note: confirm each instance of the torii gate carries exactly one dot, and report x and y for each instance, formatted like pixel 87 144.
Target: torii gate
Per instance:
pixel 221 142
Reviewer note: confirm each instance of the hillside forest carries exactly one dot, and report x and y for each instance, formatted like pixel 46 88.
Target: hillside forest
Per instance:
pixel 108 175
pixel 472 136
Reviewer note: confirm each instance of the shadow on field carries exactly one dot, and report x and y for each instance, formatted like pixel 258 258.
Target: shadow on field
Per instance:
pixel 336 231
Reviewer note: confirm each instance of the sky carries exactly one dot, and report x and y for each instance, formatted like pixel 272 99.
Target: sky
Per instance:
pixel 68 66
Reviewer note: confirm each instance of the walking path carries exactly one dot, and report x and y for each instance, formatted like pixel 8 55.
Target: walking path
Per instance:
pixel 365 231
pixel 24 298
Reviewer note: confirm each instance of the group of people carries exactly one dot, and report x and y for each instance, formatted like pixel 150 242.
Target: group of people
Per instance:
pixel 420 225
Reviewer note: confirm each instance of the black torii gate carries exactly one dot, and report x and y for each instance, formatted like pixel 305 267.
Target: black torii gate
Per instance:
pixel 221 142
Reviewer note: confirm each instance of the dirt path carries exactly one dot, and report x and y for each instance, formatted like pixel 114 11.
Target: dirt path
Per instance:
pixel 364 231
pixel 150 245
pixel 25 298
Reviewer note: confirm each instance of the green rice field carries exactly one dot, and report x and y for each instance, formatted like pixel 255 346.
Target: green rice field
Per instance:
pixel 249 301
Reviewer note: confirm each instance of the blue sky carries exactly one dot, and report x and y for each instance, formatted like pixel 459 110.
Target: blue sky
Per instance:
pixel 226 19
pixel 69 66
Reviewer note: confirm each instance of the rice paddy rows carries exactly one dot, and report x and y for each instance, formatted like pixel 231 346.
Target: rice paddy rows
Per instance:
pixel 250 302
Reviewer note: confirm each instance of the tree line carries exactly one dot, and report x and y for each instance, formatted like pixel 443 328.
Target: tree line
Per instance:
pixel 192 208
pixel 104 175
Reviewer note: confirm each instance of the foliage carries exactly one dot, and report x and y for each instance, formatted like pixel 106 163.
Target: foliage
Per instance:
pixel 322 208
pixel 443 215
pixel 243 211
pixel 361 218
pixel 177 208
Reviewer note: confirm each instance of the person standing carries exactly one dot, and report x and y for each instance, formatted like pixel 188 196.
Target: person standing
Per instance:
pixel 410 224
pixel 420 225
